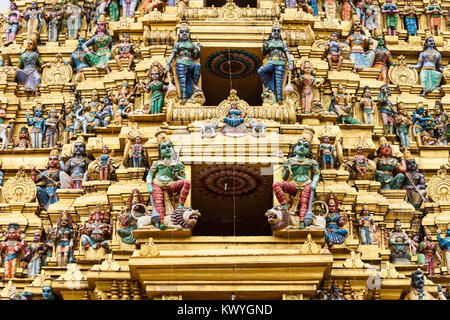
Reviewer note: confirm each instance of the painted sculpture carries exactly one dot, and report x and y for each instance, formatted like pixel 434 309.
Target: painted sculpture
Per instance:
pixel 37 124
pixel 234 122
pixel 156 87
pixel 359 43
pixel 366 226
pixel 34 255
pixel 13 247
pixel 52 128
pixel 341 105
pixel 24 139
pixel 63 238
pixel 104 161
pixel 13 21
pixel 137 153
pixel 434 13
pixel 441 123
pixel 390 171
pixel 125 50
pixel 410 16
pixel 128 7
pixel 444 244
pixel 307 82
pixel 78 60
pixel 334 231
pixel 383 60
pixel 385 108
pixel 399 243
pixel 34 21
pixel 73 20
pixel 417 289
pixel 334 52
pixel 4 130
pixel 360 163
pixel 95 235
pixel 326 150
pixel 54 21
pixel 28 74
pixel 77 165
pixel 414 184
pixel 390 10
pixel 128 217
pixel 103 41
pixel 367 106
pixel 124 98
pixel 430 251
pixel 402 122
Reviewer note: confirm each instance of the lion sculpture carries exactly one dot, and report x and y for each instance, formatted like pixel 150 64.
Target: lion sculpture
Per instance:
pixel 181 218
pixel 280 219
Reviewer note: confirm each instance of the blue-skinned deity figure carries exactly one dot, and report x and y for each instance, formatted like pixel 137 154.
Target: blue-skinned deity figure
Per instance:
pixel 37 124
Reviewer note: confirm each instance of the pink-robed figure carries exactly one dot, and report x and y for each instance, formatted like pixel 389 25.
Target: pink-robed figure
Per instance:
pixel 13 247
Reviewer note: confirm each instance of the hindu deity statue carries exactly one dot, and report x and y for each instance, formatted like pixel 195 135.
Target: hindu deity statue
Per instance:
pixel 421 120
pixel 47 293
pixel 104 161
pixel 51 128
pixel 150 5
pixel 137 152
pixel 371 17
pixel 37 124
pixel 366 225
pixel 367 105
pixel 4 130
pixel 35 251
pixel 389 170
pixel 54 21
pixel 417 289
pixel 346 10
pixel 13 247
pixel 360 163
pixel 77 165
pixel 399 244
pixel 88 119
pixel 73 19
pixel 234 122
pixel 48 181
pixel 24 139
pixel 307 82
pixel 33 17
pixel 28 74
pixel 430 251
pixel 87 11
pixel 2 174
pixel 390 10
pixel 63 238
pixel 429 63
pixel 167 178
pixel 385 107
pixel 188 72
pixel 334 52
pixel 125 99
pixel 305 172
pixel 272 73
pixel 68 118
pixel 125 50
pixel 334 232
pixel 434 13
pixel 105 113
pixel 402 122
pixel 156 86
pixel 103 42
pixel 359 43
pixel 330 9
pixel 128 7
pixel 128 217
pixel 78 60
pixel 96 234
pixel 383 60
pixel 13 21
pixel 100 7
pixel 414 246
pixel 411 15
pixel 414 184
pixel 341 105
pixel 444 244
pixel 326 149
pixel 441 123
pixel 114 10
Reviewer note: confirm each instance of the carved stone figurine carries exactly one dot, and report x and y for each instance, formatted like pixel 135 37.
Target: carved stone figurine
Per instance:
pixel 272 73
pixel 359 44
pixel 444 244
pixel 430 251
pixel 385 107
pixel 399 244
pixel 63 237
pixel 334 232
pixel 33 17
pixel 24 139
pixel 360 163
pixel 410 16
pixel 102 41
pixel 402 123
pixel 434 13
pixel 137 152
pixel 135 209
pixel 13 248
pixel 307 82
pixel 156 86
pixel 334 52
pixel 13 22
pixel 96 234
pixel 125 50
pixel 78 60
pixel 390 172
pixel 430 64
pixel 367 105
pixel 54 21
pixel 73 22
pixel 167 178
pixel 52 128
pixel 28 74
pixel 326 149
pixel 188 72
pixel 414 184
pixel 37 124
pixel 441 123
pixel 125 100
pixel 104 161
pixel 77 165
pixel 366 225
pixel 390 10
pixel 382 60
pixel 33 257
pixel 305 172
pixel 417 289
pixel 341 105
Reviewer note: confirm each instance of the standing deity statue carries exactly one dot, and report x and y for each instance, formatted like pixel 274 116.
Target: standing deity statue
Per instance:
pixel 167 179
pixel 421 120
pixel 63 238
pixel 77 165
pixel 88 120
pixel 68 119
pixel 13 248
pixel 441 123
pixel 430 64
pixel 367 105
pixel 330 9
pixel 346 10
pixel 341 105
pixel 430 251
pixel 96 234
pixel 305 172
pixel 444 244
pixel 334 231
pixel 125 50
pixel 37 124
pixel 307 82
pixel 78 60
pixel 104 161
pixel 434 13
pixel 33 257
pixel 105 114
pixel 128 217
pixel 366 225
pixel 13 22
pixel 402 123
pixel 52 129
pixel 73 22
pixel 28 74
pixel 54 21
pixel 410 16
pixel 414 184
pixel 137 152
pixel 383 60
pixel 87 11
pixel 326 149
pixel 386 110
pixel 334 52
pixel 417 290
pixel 4 130
pixel 390 10
pixel 113 10
pixel 156 86
pixel 125 99
pixel 390 172
pixel 100 7
pixel 33 17
pixel 188 72
pixel 359 43
pixel 128 7
pixel 371 17
pixel 360 164
pixel 399 244
pixel 272 73
pixel 102 41
pixel 24 139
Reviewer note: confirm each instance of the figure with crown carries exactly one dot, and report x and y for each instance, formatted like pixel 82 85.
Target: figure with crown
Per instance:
pixel 390 171
pixel 166 180
pixel 444 244
pixel 77 165
pixel 13 247
pixel 13 21
pixel 272 73
pixel 156 86
pixel 125 50
pixel 135 209
pixel 305 172
pixel 73 22
pixel 188 72
pixel 95 235
pixel 52 129
pixel 63 237
pixel 37 124
pixel 102 41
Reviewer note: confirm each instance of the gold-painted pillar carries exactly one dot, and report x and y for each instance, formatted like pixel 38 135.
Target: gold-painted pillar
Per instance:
pixel 188 172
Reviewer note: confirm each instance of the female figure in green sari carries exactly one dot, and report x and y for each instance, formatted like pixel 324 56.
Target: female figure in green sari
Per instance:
pixel 156 86
pixel 103 42
pixel 114 10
